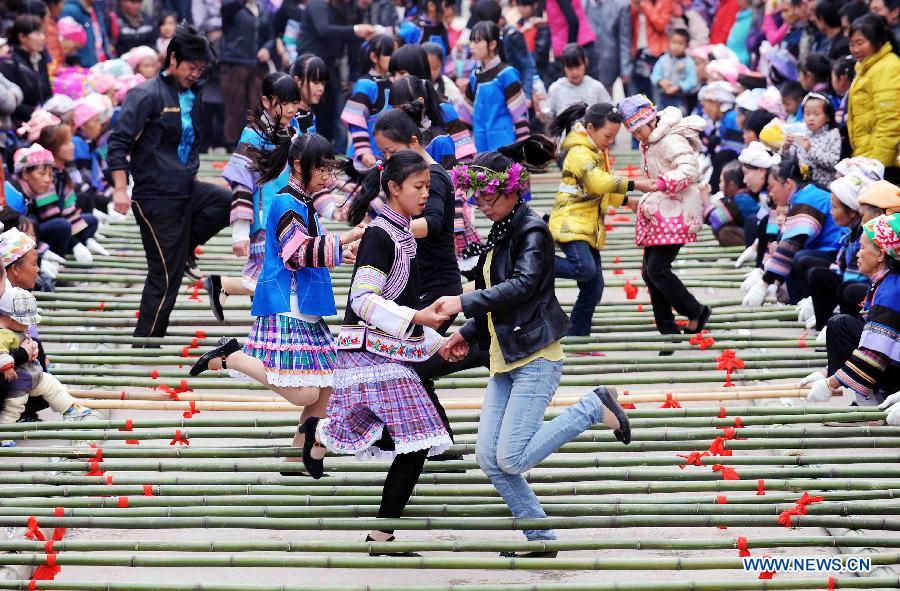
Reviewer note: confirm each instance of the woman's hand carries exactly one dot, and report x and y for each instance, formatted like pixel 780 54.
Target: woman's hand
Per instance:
pixel 449 305
pixel 352 235
pixel 645 185
pixel 368 159
pixel 241 249
pixel 455 348
pixel 430 317
pixel 350 252
pixel 10 374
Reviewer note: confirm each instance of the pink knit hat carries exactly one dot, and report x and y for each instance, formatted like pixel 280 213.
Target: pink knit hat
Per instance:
pixel 70 30
pixel 33 155
pixel 138 55
pixel 40 119
pixel 70 81
pixel 125 86
pixel 102 83
pixel 84 110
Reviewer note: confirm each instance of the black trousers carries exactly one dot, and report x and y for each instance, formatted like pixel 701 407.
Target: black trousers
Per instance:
pixel 401 479
pixel 666 289
pixel 170 231
pixel 828 291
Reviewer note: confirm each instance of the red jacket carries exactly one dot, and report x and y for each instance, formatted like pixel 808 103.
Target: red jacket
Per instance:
pixel 723 21
pixel 658 14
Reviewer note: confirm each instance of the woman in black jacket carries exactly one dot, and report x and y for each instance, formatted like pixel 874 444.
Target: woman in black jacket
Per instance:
pixel 27 67
pixel 514 314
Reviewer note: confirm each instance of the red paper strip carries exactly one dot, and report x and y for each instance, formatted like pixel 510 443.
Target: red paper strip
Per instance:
pixel 631 291
pixel 717 448
pixel 192 410
pixel 760 487
pixel 123 502
pixel 692 459
pixel 132 442
pixel 109 480
pixel 200 334
pixel 154 374
pixel 831 583
pixel 94 468
pixel 33 530
pixel 129 425
pixel 741 544
pixel 148 490
pixel 721 412
pixel 728 473
pixel 670 402
pixel 179 439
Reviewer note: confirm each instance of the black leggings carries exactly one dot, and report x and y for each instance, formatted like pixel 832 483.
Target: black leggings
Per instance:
pixel 398 487
pixel 666 289
pixel 829 291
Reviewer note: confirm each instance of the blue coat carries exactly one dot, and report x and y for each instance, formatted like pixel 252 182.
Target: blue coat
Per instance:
pixel 87 55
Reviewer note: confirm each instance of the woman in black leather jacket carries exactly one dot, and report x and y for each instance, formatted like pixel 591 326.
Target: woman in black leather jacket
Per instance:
pixel 514 314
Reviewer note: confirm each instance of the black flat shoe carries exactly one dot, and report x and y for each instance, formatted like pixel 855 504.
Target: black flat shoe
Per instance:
pixel 314 467
pixel 29 417
pixel 552 554
pixel 608 398
pixel 227 346
pixel 213 286
pixel 702 319
pixel 392 554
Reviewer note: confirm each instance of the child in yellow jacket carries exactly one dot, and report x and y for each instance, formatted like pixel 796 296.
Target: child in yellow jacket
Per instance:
pixel 588 188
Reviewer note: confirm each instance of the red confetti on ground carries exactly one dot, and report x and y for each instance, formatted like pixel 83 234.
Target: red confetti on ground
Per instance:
pixel 766 575
pixel 728 361
pixel 123 502
pixel 631 172
pixel 717 448
pixel 707 343
pixel 94 468
pixel 618 260
pixel 154 374
pixel 198 251
pixel 621 218
pixel 618 272
pixel 696 338
pixel 627 405
pixel 693 459
pixel 630 290
pixel 760 488
pixel 608 227
pixel 109 480
pixel 640 307
pixel 137 313
pixel 192 410
pixel 721 412
pixel 186 352
pixel 129 424
pixel 743 550
pixel 801 342
pixel 799 508
pixel 132 442
pixel 148 490
pixel 200 334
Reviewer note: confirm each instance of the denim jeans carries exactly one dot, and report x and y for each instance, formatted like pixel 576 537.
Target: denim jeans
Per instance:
pixel 805 260
pixel 513 437
pixel 57 233
pixel 582 263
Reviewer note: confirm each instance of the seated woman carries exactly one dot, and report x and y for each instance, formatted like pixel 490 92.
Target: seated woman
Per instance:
pixel 864 353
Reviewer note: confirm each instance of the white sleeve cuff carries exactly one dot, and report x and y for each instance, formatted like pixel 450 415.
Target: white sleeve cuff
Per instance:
pixel 240 231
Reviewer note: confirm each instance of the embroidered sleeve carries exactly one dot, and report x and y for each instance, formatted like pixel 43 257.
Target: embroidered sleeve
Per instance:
pixel 241 203
pixel 298 249
pixel 518 108
pixel 779 265
pixel 356 116
pixel 47 206
pixel 366 301
pixel 803 220
pixel 863 370
pixel 881 332
pixel 459 132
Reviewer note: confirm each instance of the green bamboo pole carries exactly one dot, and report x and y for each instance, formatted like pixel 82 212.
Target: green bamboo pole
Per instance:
pixel 778 584
pixel 452 563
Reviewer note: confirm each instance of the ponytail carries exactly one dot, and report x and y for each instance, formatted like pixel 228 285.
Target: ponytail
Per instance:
pixel 563 122
pixel 596 115
pixel 413 89
pixel 402 124
pixel 311 149
pixel 400 166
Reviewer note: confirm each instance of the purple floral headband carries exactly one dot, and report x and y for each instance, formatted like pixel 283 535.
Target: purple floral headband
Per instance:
pixel 480 180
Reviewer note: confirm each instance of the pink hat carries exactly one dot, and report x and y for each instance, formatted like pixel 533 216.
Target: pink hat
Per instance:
pixel 85 109
pixel 70 30
pixel 40 119
pixel 34 155
pixel 125 86
pixel 138 55
pixel 70 82
pixel 102 83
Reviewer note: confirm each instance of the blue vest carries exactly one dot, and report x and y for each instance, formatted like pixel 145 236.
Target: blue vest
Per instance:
pixel 315 296
pixel 493 127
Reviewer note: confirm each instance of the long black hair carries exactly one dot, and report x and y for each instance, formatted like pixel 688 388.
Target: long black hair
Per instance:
pixel 397 168
pixel 308 68
pixel 411 59
pixel 279 88
pixel 597 115
pixel 311 149
pixel 413 89
pixel 489 31
pixel 789 169
pixel 402 124
pixel 381 45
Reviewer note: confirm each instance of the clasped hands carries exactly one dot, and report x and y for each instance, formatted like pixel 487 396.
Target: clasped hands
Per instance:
pixel 455 347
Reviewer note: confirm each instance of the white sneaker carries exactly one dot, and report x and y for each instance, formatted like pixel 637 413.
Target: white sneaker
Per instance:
pixel 101 215
pixel 96 248
pixel 99 237
pixel 49 268
pixel 76 412
pixel 82 254
pixel 822 339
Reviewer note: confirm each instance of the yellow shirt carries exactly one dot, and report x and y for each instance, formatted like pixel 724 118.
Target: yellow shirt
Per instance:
pixel 552 352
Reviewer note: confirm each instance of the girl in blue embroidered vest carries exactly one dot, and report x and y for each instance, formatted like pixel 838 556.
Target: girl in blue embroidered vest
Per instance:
pixel 290 349
pixel 379 407
pixel 494 93
pixel 367 100
pixel 251 200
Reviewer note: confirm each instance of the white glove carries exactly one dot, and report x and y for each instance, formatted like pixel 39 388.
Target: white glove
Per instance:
pixel 810 323
pixel 757 294
pixel 812 378
pixel 805 310
pixel 96 248
pixel 750 278
pixel 745 256
pixel 82 254
pixel 820 392
pixel 893 415
pixel 101 215
pixel 49 268
pixel 53 257
pixel 822 339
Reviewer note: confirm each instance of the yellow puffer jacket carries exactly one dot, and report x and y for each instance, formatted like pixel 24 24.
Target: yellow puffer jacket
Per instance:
pixel 586 190
pixel 873 118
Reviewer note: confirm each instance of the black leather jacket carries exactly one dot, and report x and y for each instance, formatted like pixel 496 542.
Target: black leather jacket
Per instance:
pixel 527 316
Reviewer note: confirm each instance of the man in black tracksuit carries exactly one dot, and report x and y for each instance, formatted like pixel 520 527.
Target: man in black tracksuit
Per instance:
pixel 158 128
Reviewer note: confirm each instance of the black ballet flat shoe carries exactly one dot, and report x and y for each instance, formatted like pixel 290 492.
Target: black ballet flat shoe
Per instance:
pixel 213 286
pixel 29 417
pixel 314 467
pixel 702 319
pixel 392 554
pixel 227 346
pixel 550 554
pixel 609 399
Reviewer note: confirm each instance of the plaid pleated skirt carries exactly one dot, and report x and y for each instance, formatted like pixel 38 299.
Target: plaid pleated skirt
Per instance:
pixel 295 353
pixel 373 393
pixel 253 266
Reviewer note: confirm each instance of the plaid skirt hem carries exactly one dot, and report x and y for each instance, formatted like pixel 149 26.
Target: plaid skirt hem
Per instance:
pixel 367 450
pixel 297 379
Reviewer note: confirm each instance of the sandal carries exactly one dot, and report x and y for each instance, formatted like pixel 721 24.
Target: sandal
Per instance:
pixel 227 346
pixel 392 554
pixel 314 467
pixel 608 398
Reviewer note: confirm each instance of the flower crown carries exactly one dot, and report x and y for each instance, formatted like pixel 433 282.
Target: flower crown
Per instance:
pixel 484 181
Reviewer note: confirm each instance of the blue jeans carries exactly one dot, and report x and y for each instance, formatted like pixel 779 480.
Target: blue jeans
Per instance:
pixel 582 263
pixel 804 260
pixel 57 233
pixel 513 437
